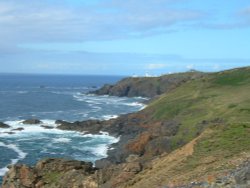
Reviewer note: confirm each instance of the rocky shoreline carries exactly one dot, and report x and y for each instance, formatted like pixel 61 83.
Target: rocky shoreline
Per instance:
pixel 127 157
pixel 146 139
pixel 125 127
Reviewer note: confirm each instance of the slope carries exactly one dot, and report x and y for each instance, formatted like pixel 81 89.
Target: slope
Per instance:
pixel 218 107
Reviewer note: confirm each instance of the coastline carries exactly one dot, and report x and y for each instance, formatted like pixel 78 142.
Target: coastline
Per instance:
pixel 173 138
pixel 70 126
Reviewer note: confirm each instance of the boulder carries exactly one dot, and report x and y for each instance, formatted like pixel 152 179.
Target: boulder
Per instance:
pixel 89 126
pixel 18 129
pixel 48 173
pixel 25 175
pixel 242 176
pixel 4 126
pixel 32 121
pixel 47 127
pixel 9 132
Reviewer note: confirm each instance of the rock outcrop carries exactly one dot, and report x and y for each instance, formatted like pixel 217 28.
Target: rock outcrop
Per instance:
pixel 137 135
pixel 147 86
pixel 51 173
pixel 89 126
pixel 18 129
pixel 32 121
pixel 4 126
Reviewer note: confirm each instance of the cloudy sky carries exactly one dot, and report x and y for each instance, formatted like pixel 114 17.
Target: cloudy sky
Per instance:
pixel 123 37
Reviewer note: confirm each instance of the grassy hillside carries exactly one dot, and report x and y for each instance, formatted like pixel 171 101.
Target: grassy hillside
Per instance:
pixel 218 106
pixel 218 98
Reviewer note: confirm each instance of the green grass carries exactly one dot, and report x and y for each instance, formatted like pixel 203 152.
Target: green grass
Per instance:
pixel 233 77
pixel 224 95
pixel 224 142
pixel 52 177
pixel 230 139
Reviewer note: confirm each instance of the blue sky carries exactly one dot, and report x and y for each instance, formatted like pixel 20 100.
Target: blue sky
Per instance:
pixel 123 37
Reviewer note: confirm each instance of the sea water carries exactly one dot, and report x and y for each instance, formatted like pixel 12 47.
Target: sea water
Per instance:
pixel 50 98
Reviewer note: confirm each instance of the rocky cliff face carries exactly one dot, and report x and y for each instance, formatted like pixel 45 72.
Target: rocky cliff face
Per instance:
pixel 51 173
pixel 147 86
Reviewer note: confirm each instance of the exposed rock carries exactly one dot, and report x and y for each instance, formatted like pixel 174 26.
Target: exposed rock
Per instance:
pixel 132 158
pixel 239 177
pixel 116 175
pixel 25 176
pixel 90 126
pixel 10 132
pixel 127 127
pixel 51 173
pixel 158 146
pixel 47 127
pixel 4 126
pixel 18 129
pixel 147 87
pixel 128 171
pixel 32 121
pixel 137 135
pixel 242 176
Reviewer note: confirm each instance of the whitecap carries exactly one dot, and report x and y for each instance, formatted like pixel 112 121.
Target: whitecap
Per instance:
pixel 100 150
pixel 32 128
pixel 61 140
pixel 108 117
pixel 133 104
pixel 3 171
pixel 143 98
pixel 21 155
pixel 22 92
pixel 103 135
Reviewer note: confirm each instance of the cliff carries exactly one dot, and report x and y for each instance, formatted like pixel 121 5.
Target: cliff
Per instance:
pixel 147 86
pixel 196 134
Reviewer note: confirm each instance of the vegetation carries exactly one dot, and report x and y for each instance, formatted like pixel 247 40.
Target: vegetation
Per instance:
pixel 52 177
pixel 214 117
pixel 218 98
pixel 223 142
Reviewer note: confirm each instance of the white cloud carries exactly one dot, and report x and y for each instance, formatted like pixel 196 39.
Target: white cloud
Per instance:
pixel 55 21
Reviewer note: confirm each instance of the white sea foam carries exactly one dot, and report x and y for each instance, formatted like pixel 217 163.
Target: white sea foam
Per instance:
pixel 100 150
pixel 62 92
pixel 98 145
pixel 136 104
pixel 30 128
pixel 61 140
pixel 143 98
pixel 108 117
pixel 21 155
pixel 22 92
pixel 103 135
pixel 133 104
pixel 3 171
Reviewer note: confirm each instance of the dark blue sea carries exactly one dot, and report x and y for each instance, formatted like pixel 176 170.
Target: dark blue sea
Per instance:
pixel 49 98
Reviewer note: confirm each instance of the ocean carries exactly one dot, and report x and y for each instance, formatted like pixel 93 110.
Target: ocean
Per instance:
pixel 50 98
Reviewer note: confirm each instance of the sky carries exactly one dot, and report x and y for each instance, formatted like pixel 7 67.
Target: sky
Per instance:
pixel 123 37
